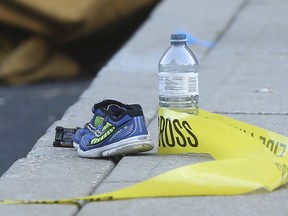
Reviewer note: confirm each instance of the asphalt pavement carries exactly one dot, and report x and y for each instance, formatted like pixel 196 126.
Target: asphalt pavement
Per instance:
pixel 26 112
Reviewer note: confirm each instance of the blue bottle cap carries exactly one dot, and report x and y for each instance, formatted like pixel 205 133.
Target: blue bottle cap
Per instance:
pixel 178 38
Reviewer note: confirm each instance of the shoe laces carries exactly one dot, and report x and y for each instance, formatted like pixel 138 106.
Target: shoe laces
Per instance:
pixel 112 110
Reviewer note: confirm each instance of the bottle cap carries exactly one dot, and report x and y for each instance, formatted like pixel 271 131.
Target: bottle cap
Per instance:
pixel 178 38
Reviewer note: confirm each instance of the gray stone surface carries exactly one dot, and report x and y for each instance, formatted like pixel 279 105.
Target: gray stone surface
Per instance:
pixel 36 210
pixel 266 204
pixel 248 64
pixel 275 123
pixel 50 173
pixel 43 179
pixel 243 77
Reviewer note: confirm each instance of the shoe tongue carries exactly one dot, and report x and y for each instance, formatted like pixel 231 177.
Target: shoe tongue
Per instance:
pixel 115 110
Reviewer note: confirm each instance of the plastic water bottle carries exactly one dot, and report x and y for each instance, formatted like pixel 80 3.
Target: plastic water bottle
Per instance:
pixel 178 77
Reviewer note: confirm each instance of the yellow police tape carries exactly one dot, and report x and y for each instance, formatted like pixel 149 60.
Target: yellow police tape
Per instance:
pixel 248 159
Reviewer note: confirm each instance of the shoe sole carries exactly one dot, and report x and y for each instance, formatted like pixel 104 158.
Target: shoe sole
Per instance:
pixel 75 145
pixel 132 145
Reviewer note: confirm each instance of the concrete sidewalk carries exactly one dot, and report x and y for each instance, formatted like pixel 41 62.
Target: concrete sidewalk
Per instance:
pixel 243 77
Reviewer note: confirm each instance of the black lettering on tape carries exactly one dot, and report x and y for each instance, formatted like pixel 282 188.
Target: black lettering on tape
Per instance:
pixel 270 143
pixel 276 147
pixel 192 140
pixel 273 146
pixel 161 130
pixel 177 125
pixel 284 147
pixel 169 131
pixel 172 132
pixel 263 139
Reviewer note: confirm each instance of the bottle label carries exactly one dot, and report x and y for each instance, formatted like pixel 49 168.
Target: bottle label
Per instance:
pixel 178 84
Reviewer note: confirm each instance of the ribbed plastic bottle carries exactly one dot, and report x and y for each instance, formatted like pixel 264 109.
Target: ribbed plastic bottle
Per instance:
pixel 178 77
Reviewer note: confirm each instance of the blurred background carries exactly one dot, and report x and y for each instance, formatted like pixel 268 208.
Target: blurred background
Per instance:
pixel 49 53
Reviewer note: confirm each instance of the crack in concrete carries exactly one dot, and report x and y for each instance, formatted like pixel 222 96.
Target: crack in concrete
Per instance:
pixel 232 20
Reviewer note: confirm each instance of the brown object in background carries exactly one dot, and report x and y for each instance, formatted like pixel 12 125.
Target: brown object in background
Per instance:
pixel 58 66
pixel 49 26
pixel 66 20
pixel 25 58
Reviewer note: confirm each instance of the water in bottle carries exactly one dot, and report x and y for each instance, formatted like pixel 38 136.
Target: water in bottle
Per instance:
pixel 178 77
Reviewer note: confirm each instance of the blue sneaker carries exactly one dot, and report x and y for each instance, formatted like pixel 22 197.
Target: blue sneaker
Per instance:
pixel 122 132
pixel 81 132
pixel 98 110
